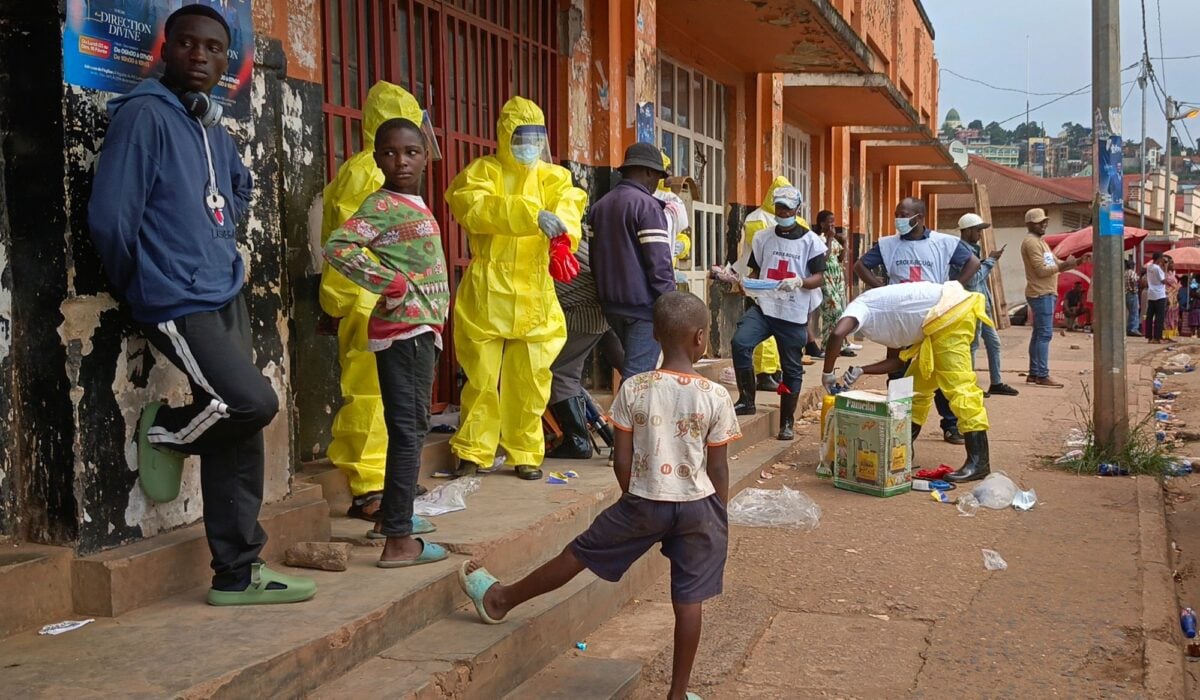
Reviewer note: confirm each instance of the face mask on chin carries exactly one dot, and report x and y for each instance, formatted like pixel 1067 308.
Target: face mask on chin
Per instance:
pixel 904 226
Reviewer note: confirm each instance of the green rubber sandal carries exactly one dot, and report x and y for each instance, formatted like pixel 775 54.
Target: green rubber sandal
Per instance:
pixel 296 589
pixel 160 469
pixel 430 553
pixel 476 585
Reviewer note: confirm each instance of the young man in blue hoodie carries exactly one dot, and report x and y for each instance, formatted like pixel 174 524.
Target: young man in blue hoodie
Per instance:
pixel 167 196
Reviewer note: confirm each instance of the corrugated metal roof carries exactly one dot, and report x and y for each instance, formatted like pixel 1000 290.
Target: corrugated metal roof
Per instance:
pixel 1012 188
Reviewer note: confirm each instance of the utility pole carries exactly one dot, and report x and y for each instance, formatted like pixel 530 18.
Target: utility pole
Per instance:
pixel 1169 202
pixel 1143 77
pixel 1110 414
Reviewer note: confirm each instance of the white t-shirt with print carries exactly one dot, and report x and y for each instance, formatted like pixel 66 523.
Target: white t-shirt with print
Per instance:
pixel 674 419
pixel 782 258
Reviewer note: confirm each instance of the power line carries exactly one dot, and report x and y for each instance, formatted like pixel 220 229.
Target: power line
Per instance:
pixel 1161 51
pixel 1073 93
pixel 1131 86
pixel 1004 89
pixel 1176 58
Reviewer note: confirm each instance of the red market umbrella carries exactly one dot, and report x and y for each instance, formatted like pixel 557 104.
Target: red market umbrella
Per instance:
pixel 1186 259
pixel 1079 242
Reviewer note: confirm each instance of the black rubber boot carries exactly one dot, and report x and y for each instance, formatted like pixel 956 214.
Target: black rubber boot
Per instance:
pixel 787 416
pixel 813 350
pixel 571 416
pixel 912 455
pixel 746 383
pixel 767 382
pixel 978 464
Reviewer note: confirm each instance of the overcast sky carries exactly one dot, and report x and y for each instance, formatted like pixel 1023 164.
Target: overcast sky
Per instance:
pixel 986 40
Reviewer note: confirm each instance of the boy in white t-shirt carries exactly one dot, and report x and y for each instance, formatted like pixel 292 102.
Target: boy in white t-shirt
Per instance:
pixel 794 255
pixel 673 431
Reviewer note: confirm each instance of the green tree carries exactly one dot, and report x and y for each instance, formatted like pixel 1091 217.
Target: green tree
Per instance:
pixel 998 134
pixel 975 124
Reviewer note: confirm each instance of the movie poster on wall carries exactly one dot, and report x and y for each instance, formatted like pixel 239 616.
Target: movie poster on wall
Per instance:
pixel 112 45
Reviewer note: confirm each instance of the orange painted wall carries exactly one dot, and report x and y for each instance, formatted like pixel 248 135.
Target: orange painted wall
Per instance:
pixel 297 24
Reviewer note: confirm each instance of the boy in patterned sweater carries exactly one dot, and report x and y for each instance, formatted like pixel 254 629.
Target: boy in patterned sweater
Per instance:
pixel 673 431
pixel 406 267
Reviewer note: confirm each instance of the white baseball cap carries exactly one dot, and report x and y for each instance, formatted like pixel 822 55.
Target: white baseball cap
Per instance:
pixel 971 221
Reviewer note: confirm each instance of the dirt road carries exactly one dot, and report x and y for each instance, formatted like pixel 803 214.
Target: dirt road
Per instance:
pixel 889 597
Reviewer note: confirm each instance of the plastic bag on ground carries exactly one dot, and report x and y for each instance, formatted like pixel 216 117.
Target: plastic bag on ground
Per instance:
pixel 1024 500
pixel 447 498
pixel 774 508
pixel 967 505
pixel 996 491
pixel 992 561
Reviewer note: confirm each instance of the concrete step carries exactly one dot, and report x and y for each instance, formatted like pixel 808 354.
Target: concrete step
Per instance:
pixel 116 581
pixel 581 677
pixel 35 585
pixel 460 657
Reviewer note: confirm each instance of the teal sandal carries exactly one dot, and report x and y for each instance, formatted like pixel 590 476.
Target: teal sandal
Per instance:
pixel 430 553
pixel 420 526
pixel 160 470
pixel 476 585
pixel 294 589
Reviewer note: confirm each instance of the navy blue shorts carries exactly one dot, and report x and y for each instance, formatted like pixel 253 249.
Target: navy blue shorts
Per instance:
pixel 694 536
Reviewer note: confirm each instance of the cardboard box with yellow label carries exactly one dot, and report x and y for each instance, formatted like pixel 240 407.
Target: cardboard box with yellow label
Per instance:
pixel 872 440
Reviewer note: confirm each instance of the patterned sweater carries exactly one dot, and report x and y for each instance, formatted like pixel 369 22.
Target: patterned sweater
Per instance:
pixel 410 275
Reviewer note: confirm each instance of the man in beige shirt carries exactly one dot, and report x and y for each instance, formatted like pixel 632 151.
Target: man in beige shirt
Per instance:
pixel 1041 294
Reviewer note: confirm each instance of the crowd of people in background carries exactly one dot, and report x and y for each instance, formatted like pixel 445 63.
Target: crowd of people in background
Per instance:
pixel 1167 300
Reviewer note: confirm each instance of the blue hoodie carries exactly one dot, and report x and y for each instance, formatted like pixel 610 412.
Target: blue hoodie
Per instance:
pixel 165 251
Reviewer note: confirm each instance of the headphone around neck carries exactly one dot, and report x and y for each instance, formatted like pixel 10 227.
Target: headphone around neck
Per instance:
pixel 202 106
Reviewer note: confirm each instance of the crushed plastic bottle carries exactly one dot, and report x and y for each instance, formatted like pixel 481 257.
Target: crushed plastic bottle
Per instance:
pixel 967 505
pixel 1106 469
pixel 1180 467
pixel 1187 622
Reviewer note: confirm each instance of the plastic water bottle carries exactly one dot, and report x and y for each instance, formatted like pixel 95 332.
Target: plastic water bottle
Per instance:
pixel 1107 469
pixel 1187 622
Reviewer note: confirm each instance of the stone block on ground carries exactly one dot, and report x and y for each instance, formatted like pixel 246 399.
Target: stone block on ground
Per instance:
pixel 327 556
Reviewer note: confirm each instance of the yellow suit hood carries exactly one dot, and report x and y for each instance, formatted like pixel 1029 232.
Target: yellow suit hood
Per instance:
pixel 387 101
pixel 768 204
pixel 517 112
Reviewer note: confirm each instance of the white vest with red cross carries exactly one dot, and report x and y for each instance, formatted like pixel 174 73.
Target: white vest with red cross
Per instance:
pixel 779 259
pixel 924 260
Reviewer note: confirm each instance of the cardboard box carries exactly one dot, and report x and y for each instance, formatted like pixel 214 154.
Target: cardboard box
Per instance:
pixel 872 438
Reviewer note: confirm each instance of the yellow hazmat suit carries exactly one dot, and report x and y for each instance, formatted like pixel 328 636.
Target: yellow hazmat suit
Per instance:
pixel 359 446
pixel 508 326
pixel 943 359
pixel 766 355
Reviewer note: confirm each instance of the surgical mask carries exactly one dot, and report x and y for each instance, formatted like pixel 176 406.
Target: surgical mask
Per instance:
pixel 785 221
pixel 1194 284
pixel 526 154
pixel 905 225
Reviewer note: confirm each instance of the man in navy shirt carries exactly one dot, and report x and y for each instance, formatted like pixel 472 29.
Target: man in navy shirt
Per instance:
pixel 920 254
pixel 631 256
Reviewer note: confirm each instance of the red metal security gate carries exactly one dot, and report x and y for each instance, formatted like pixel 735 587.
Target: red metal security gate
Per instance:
pixel 462 59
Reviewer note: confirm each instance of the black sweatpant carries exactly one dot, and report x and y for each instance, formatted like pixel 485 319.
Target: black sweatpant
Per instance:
pixel 231 404
pixel 406 370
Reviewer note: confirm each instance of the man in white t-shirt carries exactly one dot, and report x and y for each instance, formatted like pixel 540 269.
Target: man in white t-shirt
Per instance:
pixel 931 326
pixel 1156 298
pixel 794 255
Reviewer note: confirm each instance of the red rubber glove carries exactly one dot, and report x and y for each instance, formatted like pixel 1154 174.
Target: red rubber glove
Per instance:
pixel 563 265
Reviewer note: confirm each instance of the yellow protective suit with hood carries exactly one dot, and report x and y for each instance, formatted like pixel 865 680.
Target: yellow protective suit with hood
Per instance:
pixel 508 326
pixel 766 355
pixel 359 446
pixel 942 360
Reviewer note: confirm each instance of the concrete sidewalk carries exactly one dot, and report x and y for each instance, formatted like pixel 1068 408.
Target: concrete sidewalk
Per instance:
pixel 890 597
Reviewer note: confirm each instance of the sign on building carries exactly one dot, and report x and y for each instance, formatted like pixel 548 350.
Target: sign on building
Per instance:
pixel 112 45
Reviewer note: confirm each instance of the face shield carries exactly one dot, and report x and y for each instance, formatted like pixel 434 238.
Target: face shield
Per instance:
pixel 433 151
pixel 530 144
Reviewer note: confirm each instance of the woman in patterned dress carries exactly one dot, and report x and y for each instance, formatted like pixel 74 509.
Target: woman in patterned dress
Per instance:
pixel 834 288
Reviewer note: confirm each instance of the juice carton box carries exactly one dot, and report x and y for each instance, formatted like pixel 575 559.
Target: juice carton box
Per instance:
pixel 872 440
